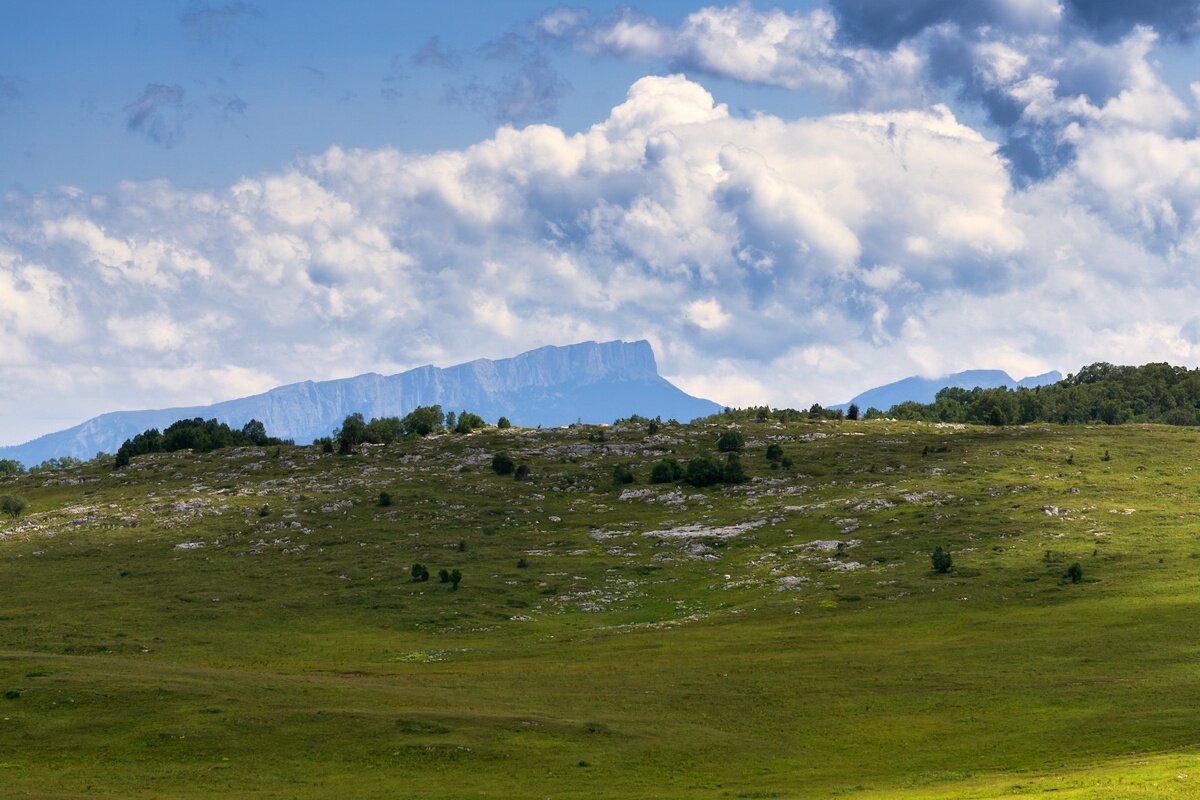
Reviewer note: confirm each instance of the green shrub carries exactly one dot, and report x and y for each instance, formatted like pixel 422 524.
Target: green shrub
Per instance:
pixel 733 471
pixel 731 441
pixel 666 471
pixel 12 505
pixel 419 573
pixel 455 578
pixel 703 471
pixel 942 562
pixel 502 464
pixel 385 499
pixel 503 423
pixel 1074 573
pixel 774 453
pixel 444 575
pixel 622 475
pixel 522 472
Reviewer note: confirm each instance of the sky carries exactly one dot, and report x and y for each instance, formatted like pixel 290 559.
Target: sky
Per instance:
pixel 793 202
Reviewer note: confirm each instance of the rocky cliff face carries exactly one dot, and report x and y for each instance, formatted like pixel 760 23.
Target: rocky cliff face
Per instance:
pixel 594 382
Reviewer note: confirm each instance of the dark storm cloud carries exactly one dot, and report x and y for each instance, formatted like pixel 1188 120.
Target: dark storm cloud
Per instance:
pixel 1172 19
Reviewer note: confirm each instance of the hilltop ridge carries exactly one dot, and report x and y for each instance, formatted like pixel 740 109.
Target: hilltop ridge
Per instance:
pixel 588 381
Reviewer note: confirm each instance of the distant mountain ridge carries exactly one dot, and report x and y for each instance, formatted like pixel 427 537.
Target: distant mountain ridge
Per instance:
pixel 924 390
pixel 595 382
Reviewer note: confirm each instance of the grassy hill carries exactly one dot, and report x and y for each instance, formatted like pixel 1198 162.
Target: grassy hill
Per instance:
pixel 244 624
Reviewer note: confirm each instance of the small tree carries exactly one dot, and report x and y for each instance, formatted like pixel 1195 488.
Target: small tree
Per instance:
pixel 942 562
pixel 503 423
pixel 12 505
pixel 731 441
pixel 733 471
pixel 455 579
pixel 420 573
pixel 621 475
pixel 422 421
pixel 502 464
pixel 522 472
pixel 10 467
pixel 852 412
pixel 385 499
pixel 666 471
pixel 774 453
pixel 444 575
pixel 703 471
pixel 1074 573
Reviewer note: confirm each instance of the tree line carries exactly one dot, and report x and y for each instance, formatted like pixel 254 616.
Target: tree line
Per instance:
pixel 200 435
pixel 1100 392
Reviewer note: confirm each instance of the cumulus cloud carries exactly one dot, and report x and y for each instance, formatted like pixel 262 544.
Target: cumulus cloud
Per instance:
pixel 772 47
pixel 157 114
pixel 768 259
pixel 1038 68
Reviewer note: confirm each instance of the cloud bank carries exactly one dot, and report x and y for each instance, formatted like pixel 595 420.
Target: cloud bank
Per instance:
pixel 1039 68
pixel 767 259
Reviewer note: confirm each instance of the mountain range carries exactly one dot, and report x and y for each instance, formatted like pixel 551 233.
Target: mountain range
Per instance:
pixel 924 390
pixel 592 382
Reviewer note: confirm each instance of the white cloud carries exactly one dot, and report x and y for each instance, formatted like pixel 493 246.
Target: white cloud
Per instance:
pixel 769 260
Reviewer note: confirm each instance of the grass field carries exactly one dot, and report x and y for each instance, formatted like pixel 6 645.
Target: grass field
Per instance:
pixel 244 623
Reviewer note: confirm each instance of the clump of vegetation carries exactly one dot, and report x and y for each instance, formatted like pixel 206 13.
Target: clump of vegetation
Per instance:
pixel 198 435
pixel 1074 573
pixel 385 499
pixel 768 414
pixel 455 579
pixel 774 455
pixel 503 423
pixel 622 475
pixel 419 572
pixel 666 471
pixel 733 472
pixel 466 423
pixel 731 441
pixel 9 467
pixel 443 575
pixel 502 464
pixel 12 505
pixel 942 561
pixel 522 472
pixel 703 471
pixel 1100 392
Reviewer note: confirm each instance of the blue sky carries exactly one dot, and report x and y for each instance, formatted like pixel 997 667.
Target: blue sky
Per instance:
pixel 792 201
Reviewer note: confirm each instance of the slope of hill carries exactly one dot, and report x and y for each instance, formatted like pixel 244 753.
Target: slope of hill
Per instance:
pixel 595 382
pixel 923 390
pixel 244 623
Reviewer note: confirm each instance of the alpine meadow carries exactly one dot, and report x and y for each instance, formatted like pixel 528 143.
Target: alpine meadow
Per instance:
pixel 645 400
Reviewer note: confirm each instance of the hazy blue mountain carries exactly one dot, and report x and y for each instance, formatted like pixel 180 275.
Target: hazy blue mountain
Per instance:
pixel 594 382
pixel 923 390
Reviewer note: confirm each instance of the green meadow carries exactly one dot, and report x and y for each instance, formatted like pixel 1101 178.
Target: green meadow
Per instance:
pixel 245 623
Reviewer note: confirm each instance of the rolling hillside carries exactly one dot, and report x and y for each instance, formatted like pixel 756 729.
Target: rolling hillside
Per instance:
pixel 245 623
